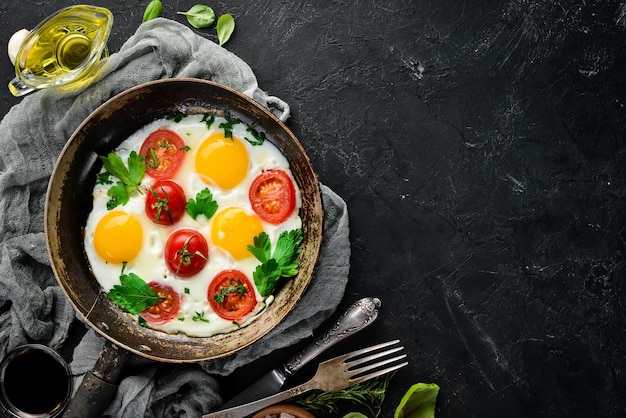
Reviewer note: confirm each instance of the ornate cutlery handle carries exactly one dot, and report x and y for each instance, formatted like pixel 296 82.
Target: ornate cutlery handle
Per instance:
pixel 362 313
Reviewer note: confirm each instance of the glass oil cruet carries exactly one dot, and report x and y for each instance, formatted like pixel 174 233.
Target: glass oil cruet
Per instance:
pixel 65 48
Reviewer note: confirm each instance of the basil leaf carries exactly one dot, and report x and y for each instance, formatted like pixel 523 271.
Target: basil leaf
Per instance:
pixel 200 16
pixel 225 27
pixel 418 402
pixel 154 9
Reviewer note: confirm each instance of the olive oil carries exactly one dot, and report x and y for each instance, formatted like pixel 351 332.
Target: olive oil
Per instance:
pixel 65 47
pixel 35 381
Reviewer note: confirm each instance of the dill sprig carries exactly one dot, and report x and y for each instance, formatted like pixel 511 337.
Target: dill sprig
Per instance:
pixel 370 394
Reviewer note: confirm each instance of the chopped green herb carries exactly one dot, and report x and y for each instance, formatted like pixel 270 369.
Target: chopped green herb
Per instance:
pixel 208 119
pixel 199 316
pixel 186 290
pixel 176 117
pixel 283 262
pixel 186 147
pixel 258 137
pixel 202 205
pixel 228 125
pixel 220 296
pixel 104 178
pixel 130 177
pixel 181 319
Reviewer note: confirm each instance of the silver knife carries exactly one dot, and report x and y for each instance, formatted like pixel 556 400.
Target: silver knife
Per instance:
pixel 358 316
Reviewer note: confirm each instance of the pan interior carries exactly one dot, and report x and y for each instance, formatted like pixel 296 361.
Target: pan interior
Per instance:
pixel 68 204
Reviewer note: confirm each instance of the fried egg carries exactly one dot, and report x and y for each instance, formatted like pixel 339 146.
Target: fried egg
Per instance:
pixel 125 238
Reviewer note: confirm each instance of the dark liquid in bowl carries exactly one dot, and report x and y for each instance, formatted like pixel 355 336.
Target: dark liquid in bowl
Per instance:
pixel 35 383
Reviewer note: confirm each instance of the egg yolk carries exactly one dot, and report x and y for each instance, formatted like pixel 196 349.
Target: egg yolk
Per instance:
pixel 222 161
pixel 118 237
pixel 233 230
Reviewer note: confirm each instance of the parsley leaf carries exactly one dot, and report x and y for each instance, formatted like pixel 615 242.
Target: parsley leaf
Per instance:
pixel 202 205
pixel 129 177
pixel 118 195
pixel 133 295
pixel 287 251
pixel 282 263
pixel 262 247
pixel 266 276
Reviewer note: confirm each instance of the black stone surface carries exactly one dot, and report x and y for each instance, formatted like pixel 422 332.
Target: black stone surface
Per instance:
pixel 480 146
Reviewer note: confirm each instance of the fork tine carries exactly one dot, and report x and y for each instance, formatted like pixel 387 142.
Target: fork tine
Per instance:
pixel 360 379
pixel 371 357
pixel 366 350
pixel 361 370
pixel 367 357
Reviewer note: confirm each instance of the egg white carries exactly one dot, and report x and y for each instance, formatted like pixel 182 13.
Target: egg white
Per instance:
pixel 149 264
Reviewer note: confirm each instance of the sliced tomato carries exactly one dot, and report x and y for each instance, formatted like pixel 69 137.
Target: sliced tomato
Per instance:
pixel 165 310
pixel 186 252
pixel 164 151
pixel 231 295
pixel 165 202
pixel 273 196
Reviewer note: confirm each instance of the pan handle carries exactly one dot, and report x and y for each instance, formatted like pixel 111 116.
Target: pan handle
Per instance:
pixel 99 385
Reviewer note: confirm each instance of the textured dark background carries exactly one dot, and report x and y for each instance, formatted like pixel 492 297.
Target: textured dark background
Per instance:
pixel 480 146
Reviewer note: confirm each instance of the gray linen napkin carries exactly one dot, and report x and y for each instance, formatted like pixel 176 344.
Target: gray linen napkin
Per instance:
pixel 33 308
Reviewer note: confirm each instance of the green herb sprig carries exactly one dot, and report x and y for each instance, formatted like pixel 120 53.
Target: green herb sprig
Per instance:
pixel 369 394
pixel 203 204
pixel 133 294
pixel 129 177
pixel 220 296
pixel 176 117
pixel 283 262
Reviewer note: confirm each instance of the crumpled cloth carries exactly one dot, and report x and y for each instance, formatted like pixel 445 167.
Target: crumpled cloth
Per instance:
pixel 32 306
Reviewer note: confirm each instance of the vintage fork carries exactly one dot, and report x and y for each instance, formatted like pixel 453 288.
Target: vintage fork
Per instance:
pixel 334 374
